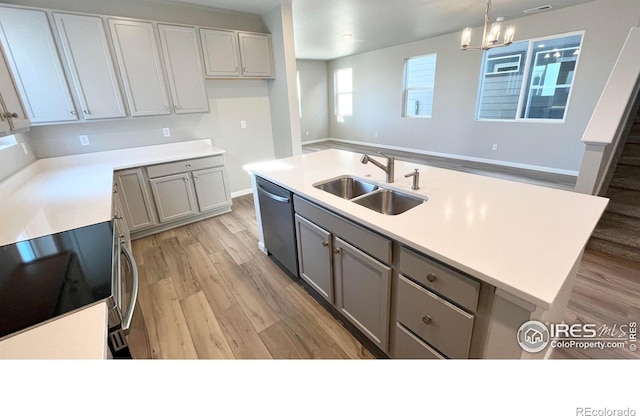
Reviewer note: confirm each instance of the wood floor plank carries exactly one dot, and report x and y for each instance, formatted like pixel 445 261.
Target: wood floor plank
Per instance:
pixel 169 334
pixel 206 333
pixel 232 223
pixel 180 268
pixel 241 336
pixel 259 313
pixel 205 237
pixel 156 263
pixel 339 334
pixel 215 289
pixel 334 352
pixel 283 342
pixel 231 243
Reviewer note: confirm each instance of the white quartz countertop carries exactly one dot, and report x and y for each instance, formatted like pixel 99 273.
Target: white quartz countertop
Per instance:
pixel 521 238
pixel 63 193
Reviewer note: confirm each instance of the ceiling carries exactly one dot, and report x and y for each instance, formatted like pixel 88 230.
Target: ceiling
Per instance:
pixel 320 26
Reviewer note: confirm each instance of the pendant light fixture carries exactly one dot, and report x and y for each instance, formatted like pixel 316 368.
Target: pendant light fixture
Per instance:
pixel 490 34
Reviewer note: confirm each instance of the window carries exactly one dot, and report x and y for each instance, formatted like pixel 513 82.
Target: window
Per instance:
pixel 529 80
pixel 344 93
pixel 419 77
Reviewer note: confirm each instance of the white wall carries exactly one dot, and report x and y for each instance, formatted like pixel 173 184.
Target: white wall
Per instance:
pixel 282 89
pixel 314 123
pixel 13 158
pixel 378 78
pixel 229 100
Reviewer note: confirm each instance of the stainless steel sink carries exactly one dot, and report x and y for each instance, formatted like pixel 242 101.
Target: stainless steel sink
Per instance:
pixel 346 187
pixel 389 202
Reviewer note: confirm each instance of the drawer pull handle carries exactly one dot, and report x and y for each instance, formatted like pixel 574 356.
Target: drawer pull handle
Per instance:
pixel 431 277
pixel 325 244
pixel 427 320
pixel 188 165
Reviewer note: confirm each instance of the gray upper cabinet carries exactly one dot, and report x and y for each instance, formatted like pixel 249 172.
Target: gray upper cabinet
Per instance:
pixel 256 55
pixel 184 68
pixel 221 53
pixel 85 47
pixel 32 56
pixel 139 62
pixel 232 54
pixel 12 114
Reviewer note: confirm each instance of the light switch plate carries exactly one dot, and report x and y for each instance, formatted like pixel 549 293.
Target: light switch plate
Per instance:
pixel 84 140
pixel 166 132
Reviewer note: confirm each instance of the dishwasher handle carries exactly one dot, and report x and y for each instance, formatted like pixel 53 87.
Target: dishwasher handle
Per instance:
pixel 273 196
pixel 128 315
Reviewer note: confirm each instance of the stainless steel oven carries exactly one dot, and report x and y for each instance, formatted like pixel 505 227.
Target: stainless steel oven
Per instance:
pixel 125 285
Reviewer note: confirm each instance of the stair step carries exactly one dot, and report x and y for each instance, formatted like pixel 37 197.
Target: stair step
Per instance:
pixel 613 249
pixel 620 229
pixel 626 176
pixel 624 201
pixel 629 160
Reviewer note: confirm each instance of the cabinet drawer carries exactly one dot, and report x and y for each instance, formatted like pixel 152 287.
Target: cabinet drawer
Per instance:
pixel 409 346
pixel 441 279
pixel 367 241
pixel 440 323
pixel 172 168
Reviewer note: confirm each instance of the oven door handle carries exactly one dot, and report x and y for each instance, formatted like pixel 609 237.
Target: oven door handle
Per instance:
pixel 128 315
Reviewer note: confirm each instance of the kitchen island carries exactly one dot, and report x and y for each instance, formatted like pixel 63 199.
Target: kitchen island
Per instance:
pixel 520 243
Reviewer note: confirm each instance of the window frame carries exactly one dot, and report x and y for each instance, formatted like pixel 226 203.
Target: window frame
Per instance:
pixel 405 90
pixel 522 98
pixel 336 104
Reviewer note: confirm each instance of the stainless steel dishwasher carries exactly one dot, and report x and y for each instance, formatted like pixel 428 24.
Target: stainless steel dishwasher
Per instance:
pixel 276 210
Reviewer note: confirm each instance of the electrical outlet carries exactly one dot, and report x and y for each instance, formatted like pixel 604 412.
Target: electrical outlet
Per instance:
pixel 375 135
pixel 494 147
pixel 306 133
pixel 84 140
pixel 243 124
pixel 166 132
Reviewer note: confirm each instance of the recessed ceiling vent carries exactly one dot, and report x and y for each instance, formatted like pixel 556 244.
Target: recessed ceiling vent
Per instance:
pixel 539 9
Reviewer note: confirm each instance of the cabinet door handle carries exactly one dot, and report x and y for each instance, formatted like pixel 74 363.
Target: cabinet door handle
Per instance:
pixel 73 112
pixel 86 111
pixel 325 244
pixel 188 165
pixel 11 115
pixel 338 251
pixel 186 179
pixel 427 320
pixel 431 277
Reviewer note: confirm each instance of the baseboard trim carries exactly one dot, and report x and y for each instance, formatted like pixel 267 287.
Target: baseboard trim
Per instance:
pixel 525 166
pixel 242 192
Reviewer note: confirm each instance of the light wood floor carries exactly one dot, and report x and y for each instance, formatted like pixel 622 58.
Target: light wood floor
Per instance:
pixel 208 292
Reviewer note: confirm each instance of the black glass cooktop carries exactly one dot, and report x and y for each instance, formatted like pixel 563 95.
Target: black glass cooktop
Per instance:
pixel 43 278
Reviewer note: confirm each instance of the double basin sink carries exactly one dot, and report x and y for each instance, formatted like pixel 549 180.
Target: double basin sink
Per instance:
pixel 369 195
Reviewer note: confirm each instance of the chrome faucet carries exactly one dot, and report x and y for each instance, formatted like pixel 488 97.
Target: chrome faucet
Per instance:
pixel 389 169
pixel 416 179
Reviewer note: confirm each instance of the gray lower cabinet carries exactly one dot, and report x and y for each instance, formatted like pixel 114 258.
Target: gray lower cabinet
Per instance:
pixel 435 307
pixel 163 196
pixel 355 283
pixel 314 257
pixel 363 291
pixel 130 185
pixel 174 197
pixel 211 188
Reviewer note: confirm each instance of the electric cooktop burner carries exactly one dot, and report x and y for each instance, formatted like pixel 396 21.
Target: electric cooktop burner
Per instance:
pixel 46 277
